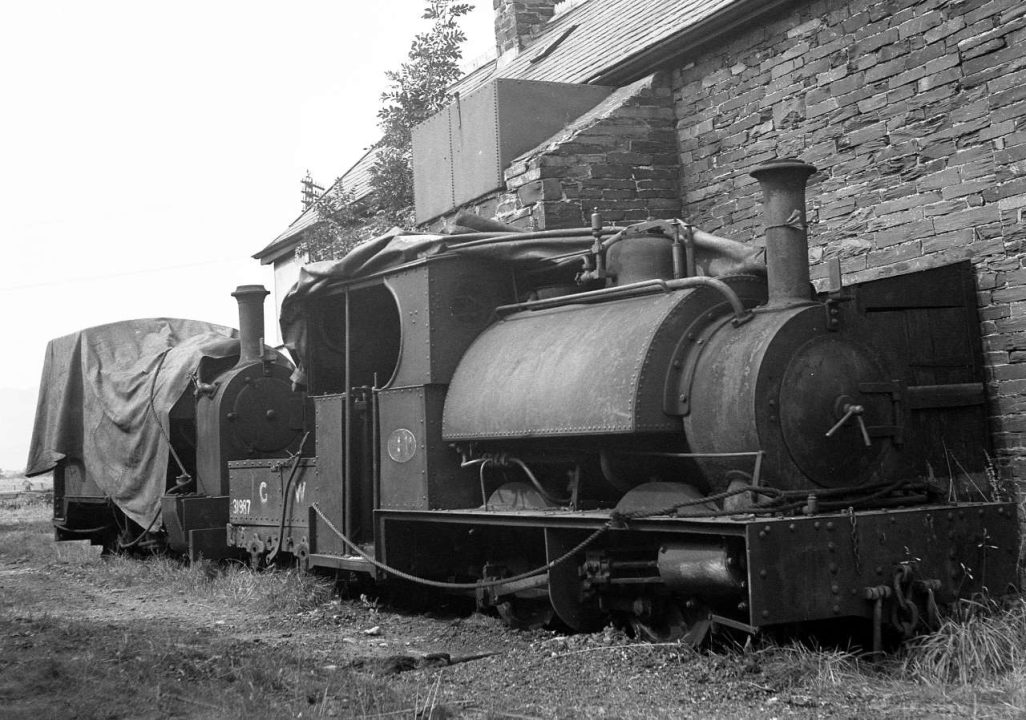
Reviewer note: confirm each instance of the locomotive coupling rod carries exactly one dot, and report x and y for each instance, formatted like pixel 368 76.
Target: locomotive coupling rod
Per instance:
pixel 638 289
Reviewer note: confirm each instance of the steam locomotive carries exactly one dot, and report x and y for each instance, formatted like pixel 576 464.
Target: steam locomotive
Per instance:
pixel 647 424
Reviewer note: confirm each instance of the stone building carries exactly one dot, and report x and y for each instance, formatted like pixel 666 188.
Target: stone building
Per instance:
pixel 914 111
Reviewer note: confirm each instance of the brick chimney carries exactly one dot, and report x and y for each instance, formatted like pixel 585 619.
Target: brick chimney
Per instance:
pixel 516 21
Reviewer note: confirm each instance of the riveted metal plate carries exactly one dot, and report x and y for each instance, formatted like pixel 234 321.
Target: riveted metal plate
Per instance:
pixel 443 306
pixel 573 370
pixel 815 568
pixel 424 472
pixel 256 490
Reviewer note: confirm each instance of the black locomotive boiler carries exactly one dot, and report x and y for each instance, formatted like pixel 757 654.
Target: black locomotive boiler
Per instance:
pixel 648 424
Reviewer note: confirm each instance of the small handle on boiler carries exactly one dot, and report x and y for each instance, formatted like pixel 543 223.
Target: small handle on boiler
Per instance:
pixel 850 411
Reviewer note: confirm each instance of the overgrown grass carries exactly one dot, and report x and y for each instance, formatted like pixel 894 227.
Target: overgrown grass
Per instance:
pixel 58 664
pixel 974 666
pixel 982 642
pixel 60 668
pixel 286 591
pixel 26 537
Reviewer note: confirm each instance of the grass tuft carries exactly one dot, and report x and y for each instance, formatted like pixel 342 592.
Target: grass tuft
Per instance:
pixel 983 641
pixel 272 591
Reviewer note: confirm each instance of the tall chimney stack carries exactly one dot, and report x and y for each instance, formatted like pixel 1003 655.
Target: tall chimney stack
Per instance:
pixel 517 21
pixel 787 238
pixel 251 322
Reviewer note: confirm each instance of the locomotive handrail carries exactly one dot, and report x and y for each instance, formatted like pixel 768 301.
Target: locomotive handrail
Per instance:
pixel 638 289
pixel 462 241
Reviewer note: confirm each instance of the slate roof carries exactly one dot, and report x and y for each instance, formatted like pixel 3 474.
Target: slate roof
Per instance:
pixel 583 43
pixel 586 43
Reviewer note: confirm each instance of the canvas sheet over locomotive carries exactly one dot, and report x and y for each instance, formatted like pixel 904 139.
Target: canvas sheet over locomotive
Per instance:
pixel 540 256
pixel 105 399
pixel 652 426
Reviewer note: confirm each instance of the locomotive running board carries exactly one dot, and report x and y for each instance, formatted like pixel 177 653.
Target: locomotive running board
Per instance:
pixel 799 568
pixel 565 519
pixel 354 563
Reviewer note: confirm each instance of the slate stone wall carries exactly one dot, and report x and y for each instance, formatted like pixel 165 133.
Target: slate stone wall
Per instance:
pixel 915 113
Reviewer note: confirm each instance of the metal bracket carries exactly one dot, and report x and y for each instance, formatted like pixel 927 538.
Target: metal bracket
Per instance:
pixel 896 390
pixel 684 363
pixel 734 624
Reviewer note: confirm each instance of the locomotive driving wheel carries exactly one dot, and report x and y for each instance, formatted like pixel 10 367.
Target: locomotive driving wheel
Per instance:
pixel 526 608
pixel 658 621
pixel 526 613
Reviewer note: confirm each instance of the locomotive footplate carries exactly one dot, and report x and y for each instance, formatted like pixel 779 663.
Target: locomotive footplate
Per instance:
pixel 741 571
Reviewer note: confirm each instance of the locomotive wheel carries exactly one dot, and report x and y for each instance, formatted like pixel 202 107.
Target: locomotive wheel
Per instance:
pixel 669 624
pixel 666 627
pixel 576 609
pixel 526 613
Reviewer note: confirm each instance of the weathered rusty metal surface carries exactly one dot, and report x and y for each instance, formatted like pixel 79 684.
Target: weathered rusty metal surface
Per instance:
pixel 418 469
pixel 655 496
pixel 257 492
pixel 779 386
pixel 330 413
pixel 252 413
pixel 703 569
pixel 461 152
pixel 251 322
pixel 812 568
pixel 208 544
pixel 443 305
pixel 432 167
pixel 574 370
pixel 182 514
pixel 787 243
pixel 566 590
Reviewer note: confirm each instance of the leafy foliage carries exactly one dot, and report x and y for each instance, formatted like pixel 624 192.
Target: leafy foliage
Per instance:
pixel 416 91
pixel 342 222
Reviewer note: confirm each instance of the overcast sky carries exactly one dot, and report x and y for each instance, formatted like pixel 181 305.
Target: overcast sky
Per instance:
pixel 147 150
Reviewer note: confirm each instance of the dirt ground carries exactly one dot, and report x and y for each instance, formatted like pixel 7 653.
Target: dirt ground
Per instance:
pixel 82 636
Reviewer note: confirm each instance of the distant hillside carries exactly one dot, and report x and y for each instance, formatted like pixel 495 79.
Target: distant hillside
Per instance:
pixel 17 411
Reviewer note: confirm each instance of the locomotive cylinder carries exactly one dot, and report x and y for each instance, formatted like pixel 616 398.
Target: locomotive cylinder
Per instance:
pixel 787 241
pixel 251 322
pixel 710 571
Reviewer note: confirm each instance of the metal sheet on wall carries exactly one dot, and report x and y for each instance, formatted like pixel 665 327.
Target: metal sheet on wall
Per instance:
pixel 461 153
pixel 432 166
pixel 528 112
pixel 474 138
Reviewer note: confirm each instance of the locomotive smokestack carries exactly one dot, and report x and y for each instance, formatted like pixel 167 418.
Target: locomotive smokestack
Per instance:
pixel 787 238
pixel 251 322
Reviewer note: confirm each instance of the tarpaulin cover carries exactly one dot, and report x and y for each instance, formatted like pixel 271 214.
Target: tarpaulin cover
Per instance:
pixel 395 248
pixel 105 397
pixel 715 256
